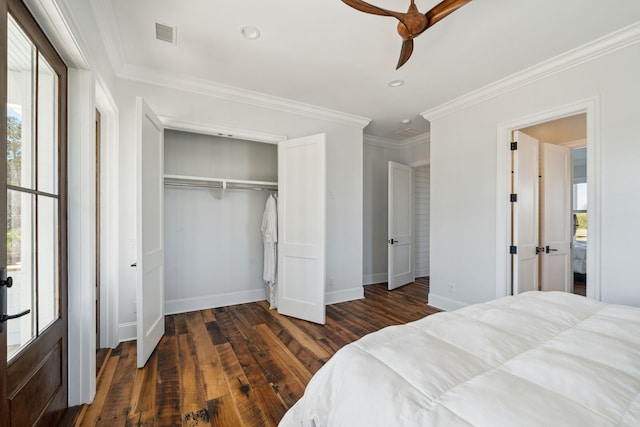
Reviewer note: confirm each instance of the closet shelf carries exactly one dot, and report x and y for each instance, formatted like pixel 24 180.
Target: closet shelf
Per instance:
pixel 223 183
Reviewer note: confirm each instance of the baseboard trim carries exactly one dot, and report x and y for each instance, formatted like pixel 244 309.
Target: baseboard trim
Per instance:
pixel 422 273
pixel 334 297
pixel 127 331
pixel 186 305
pixel 444 303
pixel 372 279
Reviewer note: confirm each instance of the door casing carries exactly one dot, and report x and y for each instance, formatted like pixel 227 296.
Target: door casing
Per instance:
pixel 591 107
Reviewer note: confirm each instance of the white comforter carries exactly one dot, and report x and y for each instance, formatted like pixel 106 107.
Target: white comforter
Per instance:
pixel 536 359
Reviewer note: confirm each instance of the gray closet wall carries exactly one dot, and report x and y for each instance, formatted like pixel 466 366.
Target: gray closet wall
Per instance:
pixel 213 244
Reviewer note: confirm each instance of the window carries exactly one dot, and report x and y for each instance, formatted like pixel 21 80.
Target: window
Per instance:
pixel 32 189
pixel 580 211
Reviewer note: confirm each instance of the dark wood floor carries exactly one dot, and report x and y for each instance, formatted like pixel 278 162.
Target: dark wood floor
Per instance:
pixel 243 365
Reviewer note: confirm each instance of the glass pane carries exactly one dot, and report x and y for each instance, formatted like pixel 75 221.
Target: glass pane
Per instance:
pixel 47 127
pixel 581 226
pixel 20 107
pixel 47 261
pixel 580 197
pixel 20 266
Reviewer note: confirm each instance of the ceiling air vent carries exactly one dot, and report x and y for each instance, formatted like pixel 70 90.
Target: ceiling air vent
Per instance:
pixel 409 132
pixel 166 33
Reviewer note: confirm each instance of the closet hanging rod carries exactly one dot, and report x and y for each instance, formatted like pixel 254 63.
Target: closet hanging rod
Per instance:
pixel 223 183
pixel 219 186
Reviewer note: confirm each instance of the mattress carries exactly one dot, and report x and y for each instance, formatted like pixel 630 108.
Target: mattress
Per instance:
pixel 535 359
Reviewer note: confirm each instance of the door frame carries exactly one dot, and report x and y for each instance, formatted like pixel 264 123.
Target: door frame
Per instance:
pixel 590 106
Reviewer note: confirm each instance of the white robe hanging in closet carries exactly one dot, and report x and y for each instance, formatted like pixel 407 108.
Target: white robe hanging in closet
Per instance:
pixel 269 230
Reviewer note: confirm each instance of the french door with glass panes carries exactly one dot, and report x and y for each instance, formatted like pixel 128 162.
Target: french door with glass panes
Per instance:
pixel 33 326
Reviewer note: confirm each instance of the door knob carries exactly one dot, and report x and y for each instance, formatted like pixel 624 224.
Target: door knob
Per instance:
pixel 548 249
pixel 8 282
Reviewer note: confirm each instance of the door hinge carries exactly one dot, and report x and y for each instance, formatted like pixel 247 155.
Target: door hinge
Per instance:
pixel 514 145
pixel 513 250
pixel 513 197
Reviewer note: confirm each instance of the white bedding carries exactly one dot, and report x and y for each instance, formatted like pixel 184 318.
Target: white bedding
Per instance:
pixel 536 359
pixel 580 257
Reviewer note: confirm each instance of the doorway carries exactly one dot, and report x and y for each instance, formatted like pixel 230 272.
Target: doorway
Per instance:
pixel 549 207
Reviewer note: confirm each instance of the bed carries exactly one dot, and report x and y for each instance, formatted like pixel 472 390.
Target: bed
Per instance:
pixel 535 359
pixel 580 257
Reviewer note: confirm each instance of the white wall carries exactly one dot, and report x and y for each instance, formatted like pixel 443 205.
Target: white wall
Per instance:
pixel 376 159
pixel 464 178
pixel 213 244
pixel 344 178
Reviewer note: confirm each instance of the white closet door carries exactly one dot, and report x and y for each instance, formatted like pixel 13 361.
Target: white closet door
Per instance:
pixel 525 213
pixel 301 228
pixel 150 199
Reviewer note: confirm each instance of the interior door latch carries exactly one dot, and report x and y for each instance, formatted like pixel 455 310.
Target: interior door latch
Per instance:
pixel 392 241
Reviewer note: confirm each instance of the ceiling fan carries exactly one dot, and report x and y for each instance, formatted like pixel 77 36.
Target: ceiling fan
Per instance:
pixel 413 23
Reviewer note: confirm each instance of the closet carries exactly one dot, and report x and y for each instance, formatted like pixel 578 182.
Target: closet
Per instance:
pixel 215 189
pixel 200 200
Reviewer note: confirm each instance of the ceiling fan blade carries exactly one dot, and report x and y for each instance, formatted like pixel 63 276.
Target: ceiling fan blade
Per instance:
pixel 405 53
pixel 443 9
pixel 367 8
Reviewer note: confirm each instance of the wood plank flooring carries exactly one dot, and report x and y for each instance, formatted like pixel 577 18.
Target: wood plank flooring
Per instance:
pixel 243 365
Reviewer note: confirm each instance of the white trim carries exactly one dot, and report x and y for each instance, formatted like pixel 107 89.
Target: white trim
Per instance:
pixel 217 90
pixel 219 130
pixel 185 305
pixel 422 273
pixel 503 218
pixel 372 279
pixel 444 303
pixel 105 17
pixel 82 233
pixel 61 30
pixel 612 42
pixel 109 217
pixel 343 295
pixel 397 145
pixel 127 331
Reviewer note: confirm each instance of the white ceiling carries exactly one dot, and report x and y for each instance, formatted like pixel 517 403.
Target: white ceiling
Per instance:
pixel 324 53
pixel 567 129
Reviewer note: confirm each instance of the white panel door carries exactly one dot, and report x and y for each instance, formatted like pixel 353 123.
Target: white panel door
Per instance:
pixel 525 213
pixel 400 269
pixel 301 228
pixel 150 199
pixel 556 207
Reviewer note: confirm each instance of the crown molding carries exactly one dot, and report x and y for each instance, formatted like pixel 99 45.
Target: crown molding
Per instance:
pixel 219 130
pixel 423 138
pixel 105 17
pixel 377 141
pixel 231 93
pixel 612 42
pixel 58 24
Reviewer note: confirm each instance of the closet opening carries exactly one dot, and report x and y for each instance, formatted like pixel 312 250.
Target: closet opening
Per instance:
pixel 215 194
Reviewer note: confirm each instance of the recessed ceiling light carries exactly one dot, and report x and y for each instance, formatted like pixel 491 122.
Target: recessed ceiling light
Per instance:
pixel 396 83
pixel 406 121
pixel 251 33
